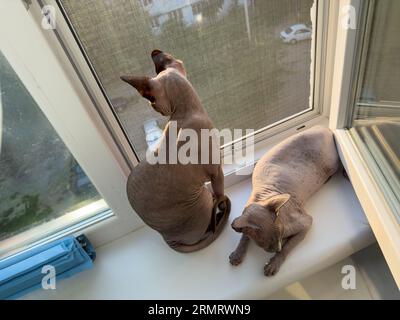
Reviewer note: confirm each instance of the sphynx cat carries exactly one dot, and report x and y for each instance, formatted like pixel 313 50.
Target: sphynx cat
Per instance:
pixel 172 197
pixel 283 179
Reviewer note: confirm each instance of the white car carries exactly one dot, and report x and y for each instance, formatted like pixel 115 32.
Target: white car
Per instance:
pixel 296 32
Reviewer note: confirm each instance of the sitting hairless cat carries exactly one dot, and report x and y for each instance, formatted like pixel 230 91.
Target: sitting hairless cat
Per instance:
pixel 283 179
pixel 172 197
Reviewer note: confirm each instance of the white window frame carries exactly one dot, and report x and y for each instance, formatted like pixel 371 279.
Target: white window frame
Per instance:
pixel 267 137
pixel 83 64
pixel 61 96
pixel 369 191
pixel 321 75
pixel 80 100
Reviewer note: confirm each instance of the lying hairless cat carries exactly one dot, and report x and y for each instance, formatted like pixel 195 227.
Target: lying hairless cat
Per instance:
pixel 172 197
pixel 283 179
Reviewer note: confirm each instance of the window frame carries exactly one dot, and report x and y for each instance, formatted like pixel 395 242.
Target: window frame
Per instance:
pixel 62 47
pixel 349 59
pixel 75 119
pixel 80 59
pixel 324 58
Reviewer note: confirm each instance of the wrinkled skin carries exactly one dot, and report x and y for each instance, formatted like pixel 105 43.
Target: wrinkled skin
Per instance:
pixel 283 179
pixel 172 198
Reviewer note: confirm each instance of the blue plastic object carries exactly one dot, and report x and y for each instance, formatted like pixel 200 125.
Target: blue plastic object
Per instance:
pixel 22 273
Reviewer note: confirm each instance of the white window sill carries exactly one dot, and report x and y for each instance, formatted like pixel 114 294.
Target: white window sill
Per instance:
pixel 141 266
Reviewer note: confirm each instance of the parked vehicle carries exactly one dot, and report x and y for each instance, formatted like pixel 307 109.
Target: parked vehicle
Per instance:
pixel 296 32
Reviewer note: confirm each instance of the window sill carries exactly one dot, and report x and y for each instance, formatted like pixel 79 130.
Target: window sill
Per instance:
pixel 141 266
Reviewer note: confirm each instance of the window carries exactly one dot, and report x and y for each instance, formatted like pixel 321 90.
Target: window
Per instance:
pixel 364 114
pixel 61 170
pixel 375 120
pixel 40 180
pixel 245 74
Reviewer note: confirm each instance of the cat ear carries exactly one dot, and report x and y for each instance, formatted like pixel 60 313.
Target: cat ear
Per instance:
pixel 144 85
pixel 241 223
pixel 276 202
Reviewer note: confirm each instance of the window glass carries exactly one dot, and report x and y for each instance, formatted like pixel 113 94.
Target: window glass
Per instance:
pixel 376 116
pixel 244 70
pixel 39 178
pixel 382 71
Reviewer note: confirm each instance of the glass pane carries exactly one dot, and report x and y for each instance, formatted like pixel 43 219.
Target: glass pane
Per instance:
pixel 382 72
pixel 376 118
pixel 243 57
pixel 39 178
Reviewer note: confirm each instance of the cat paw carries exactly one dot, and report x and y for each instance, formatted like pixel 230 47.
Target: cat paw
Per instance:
pixel 272 267
pixel 235 258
